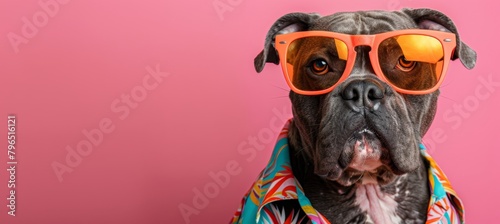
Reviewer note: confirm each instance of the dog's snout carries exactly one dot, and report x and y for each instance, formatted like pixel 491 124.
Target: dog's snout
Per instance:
pixel 364 93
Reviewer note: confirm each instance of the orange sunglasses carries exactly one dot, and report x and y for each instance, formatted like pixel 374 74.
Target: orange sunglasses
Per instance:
pixel 412 61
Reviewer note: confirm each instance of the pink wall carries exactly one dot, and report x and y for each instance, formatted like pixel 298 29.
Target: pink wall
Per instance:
pixel 167 92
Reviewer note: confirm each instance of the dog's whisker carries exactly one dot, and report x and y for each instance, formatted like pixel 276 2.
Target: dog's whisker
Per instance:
pixel 448 98
pixel 444 85
pixel 282 88
pixel 299 151
pixel 360 177
pixel 279 97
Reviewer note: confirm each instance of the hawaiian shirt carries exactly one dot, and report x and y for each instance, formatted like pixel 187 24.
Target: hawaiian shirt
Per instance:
pixel 277 183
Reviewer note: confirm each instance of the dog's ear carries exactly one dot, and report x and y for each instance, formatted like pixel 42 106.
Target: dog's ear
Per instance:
pixel 288 23
pixel 435 20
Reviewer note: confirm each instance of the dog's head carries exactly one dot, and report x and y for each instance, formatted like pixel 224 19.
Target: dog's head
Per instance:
pixel 363 124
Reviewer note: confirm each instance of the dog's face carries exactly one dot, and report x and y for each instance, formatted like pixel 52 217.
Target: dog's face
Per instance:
pixel 363 127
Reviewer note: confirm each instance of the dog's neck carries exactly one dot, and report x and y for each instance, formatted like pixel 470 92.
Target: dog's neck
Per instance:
pixel 403 199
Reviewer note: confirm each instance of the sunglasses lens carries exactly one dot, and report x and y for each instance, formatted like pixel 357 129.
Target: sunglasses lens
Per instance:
pixel 315 63
pixel 412 61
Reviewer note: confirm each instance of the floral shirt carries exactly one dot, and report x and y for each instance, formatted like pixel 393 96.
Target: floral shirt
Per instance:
pixel 277 183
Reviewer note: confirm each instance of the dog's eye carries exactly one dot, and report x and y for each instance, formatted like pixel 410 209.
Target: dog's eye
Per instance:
pixel 405 65
pixel 319 67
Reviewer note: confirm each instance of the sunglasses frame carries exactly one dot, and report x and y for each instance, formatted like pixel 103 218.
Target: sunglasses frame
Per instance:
pixel 448 41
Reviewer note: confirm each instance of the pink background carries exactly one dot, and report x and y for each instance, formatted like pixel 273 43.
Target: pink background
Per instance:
pixel 68 76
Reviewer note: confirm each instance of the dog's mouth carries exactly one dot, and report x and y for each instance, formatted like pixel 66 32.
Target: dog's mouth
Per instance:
pixel 365 160
pixel 366 151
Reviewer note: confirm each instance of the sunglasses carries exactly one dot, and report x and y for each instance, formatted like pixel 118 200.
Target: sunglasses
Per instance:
pixel 411 61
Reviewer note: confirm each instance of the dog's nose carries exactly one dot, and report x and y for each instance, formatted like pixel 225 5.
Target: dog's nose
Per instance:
pixel 363 93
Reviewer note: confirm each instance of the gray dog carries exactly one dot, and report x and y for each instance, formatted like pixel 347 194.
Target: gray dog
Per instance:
pixel 354 144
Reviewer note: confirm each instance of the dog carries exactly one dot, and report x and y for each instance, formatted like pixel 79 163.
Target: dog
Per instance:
pixel 362 100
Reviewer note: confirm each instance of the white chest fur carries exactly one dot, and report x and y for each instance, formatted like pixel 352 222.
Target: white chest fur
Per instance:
pixel 380 207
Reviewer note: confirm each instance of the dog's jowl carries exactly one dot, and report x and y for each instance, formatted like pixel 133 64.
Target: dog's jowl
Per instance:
pixel 364 90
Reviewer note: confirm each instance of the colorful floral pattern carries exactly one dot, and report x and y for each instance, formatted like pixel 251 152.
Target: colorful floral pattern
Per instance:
pixel 276 183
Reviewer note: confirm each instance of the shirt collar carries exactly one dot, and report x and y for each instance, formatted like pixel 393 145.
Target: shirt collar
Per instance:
pixel 277 182
pixel 443 197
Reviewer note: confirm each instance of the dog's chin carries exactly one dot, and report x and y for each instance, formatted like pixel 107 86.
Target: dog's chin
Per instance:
pixel 365 160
